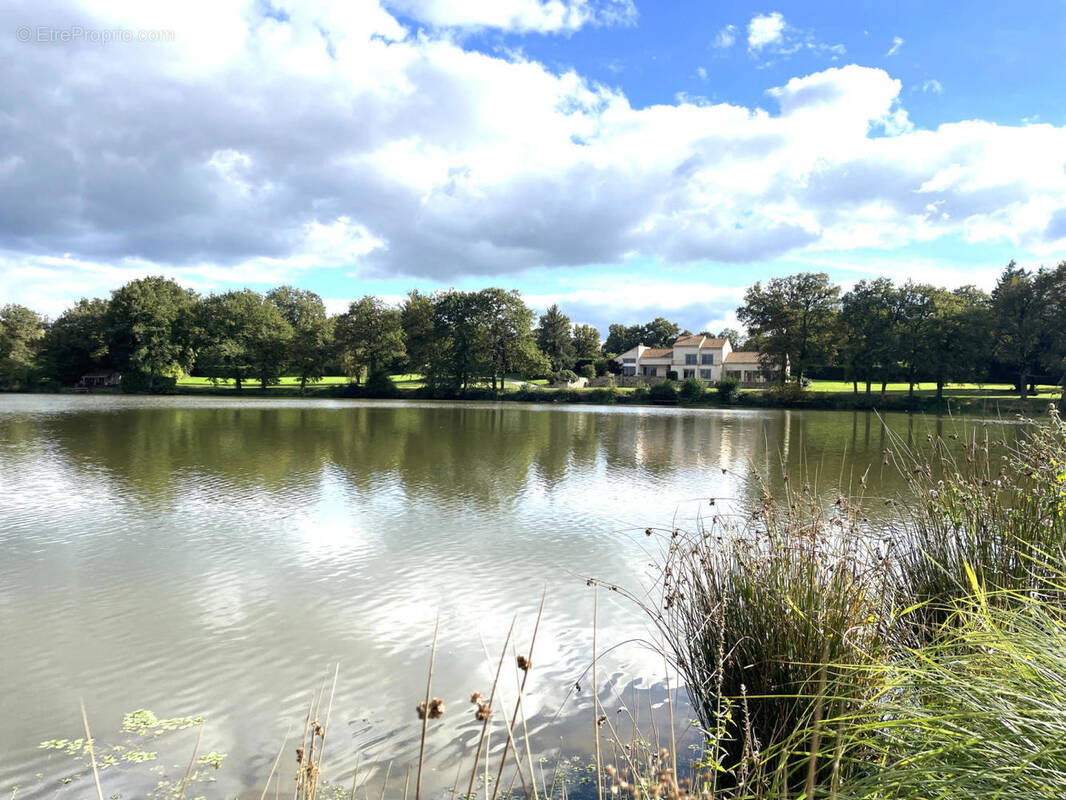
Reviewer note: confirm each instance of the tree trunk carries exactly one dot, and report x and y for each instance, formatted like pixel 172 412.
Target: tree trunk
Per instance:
pixel 1023 383
pixel 303 383
pixel 884 386
pixel 855 387
pixel 237 382
pixel 867 387
pixel 939 388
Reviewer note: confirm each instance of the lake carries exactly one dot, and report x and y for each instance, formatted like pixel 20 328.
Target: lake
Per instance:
pixel 217 557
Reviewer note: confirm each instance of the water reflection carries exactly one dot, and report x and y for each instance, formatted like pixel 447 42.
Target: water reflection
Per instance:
pixel 212 556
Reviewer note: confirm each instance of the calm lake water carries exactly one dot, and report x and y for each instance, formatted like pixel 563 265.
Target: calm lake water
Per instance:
pixel 219 557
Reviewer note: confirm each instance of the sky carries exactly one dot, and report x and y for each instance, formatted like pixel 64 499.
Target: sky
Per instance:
pixel 624 158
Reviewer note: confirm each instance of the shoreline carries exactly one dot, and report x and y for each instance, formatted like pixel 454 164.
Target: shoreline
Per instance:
pixel 760 399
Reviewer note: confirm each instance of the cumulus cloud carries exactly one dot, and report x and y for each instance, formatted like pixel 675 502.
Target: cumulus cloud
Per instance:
pixel 541 16
pixel 766 30
pixel 897 43
pixel 331 135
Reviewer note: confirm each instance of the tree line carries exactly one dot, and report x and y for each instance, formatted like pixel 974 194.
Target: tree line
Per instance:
pixel 153 330
pixel 880 331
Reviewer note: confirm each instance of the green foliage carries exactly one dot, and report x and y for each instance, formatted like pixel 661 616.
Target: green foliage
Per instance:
pixel 587 371
pixel 665 392
pixel 554 338
pixel 311 345
pixel 21 337
pixel 728 389
pixel 793 319
pixel 564 376
pixel 416 319
pixel 671 375
pixel 692 390
pixel 379 384
pixel 369 337
pixel 151 324
pixel 135 382
pixel 243 335
pixel 78 341
pixel 657 333
pixel 641 391
pixel 586 342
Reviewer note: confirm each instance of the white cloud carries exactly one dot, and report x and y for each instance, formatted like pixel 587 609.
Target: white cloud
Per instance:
pixel 766 30
pixel 932 86
pixel 897 43
pixel 541 16
pixel 337 138
pixel 725 38
pixel 702 73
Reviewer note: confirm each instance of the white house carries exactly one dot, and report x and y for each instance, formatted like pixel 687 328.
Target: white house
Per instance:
pixel 698 356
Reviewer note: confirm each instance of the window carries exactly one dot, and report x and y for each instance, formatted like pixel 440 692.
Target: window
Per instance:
pixel 705 374
pixel 707 358
pixel 649 371
pixel 690 373
pixel 690 358
pixel 629 361
pixel 629 370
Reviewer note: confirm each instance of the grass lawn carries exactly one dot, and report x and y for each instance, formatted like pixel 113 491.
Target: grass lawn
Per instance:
pixel 996 390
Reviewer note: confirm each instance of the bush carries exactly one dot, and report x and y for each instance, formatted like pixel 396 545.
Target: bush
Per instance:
pixel 728 389
pixel 789 392
pixel 587 371
pixel 600 366
pixel 692 390
pixel 564 376
pixel 379 384
pixel 664 392
pixel 641 391
pixel 671 376
pixel 605 394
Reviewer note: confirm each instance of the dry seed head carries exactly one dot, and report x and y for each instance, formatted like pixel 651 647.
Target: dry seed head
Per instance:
pixel 524 664
pixel 475 696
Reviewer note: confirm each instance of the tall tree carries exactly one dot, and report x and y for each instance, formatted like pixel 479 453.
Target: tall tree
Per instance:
pixel 554 339
pixel 793 320
pixel 916 324
pixel 77 342
pixel 369 337
pixel 957 347
pixel 21 337
pixel 242 336
pixel 620 339
pixel 311 345
pixel 416 319
pixel 151 324
pixel 459 355
pixel 868 325
pixel 1019 317
pixel 586 341
pixel 1053 357
pixel 506 323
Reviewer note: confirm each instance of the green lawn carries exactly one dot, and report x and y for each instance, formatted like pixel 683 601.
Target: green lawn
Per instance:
pixel 929 389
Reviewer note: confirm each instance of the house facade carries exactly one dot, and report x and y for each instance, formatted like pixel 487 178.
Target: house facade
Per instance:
pixel 703 357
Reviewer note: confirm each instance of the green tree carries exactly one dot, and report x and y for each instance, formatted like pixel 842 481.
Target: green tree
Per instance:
pixel 868 325
pixel 659 332
pixel 243 336
pixel 733 336
pixel 459 355
pixel 554 339
pixel 369 337
pixel 77 342
pixel 958 347
pixel 506 323
pixel 620 339
pixel 416 319
pixel 311 345
pixel 793 320
pixel 21 337
pixel 151 328
pixel 1053 357
pixel 1019 314
pixel 915 328
pixel 586 341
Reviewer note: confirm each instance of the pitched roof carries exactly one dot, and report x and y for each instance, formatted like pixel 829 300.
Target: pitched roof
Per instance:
pixel 698 341
pixel 657 352
pixel 744 357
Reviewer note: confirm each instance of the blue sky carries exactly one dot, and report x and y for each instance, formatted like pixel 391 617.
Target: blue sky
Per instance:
pixel 623 158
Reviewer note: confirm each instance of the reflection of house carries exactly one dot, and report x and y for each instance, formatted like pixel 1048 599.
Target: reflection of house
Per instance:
pixel 100 378
pixel 696 356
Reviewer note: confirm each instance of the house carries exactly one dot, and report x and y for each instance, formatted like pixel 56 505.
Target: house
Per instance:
pixel 699 356
pixel 99 378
